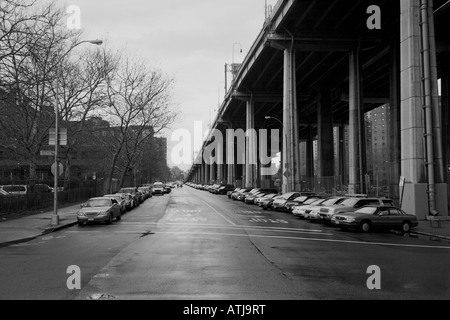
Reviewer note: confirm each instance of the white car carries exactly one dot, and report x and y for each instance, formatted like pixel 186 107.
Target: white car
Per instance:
pixel 16 190
pixel 312 211
pixel 158 188
pixel 302 210
pixel 351 204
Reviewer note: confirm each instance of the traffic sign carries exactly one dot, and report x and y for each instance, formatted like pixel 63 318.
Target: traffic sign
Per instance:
pixel 60 169
pixel 62 137
pixel 287 174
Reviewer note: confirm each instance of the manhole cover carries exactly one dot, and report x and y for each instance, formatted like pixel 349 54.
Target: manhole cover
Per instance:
pixel 100 296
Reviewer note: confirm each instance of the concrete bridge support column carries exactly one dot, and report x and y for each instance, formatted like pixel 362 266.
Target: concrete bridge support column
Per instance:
pixel 207 174
pixel 203 173
pixel 357 152
pixel 340 155
pixel 393 162
pixel 212 172
pixel 250 146
pixel 310 153
pixel 325 134
pixel 291 155
pixel 230 174
pixel 264 172
pixel 445 87
pixel 420 188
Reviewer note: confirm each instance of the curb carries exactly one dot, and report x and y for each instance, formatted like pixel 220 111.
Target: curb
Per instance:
pixel 45 232
pixel 431 235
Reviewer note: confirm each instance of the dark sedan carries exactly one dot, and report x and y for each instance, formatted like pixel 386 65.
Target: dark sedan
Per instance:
pixel 372 217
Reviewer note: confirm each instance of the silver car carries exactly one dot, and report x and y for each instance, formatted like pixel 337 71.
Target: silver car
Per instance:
pixel 102 209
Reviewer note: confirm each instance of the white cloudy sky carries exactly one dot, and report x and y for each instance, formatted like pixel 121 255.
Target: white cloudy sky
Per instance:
pixel 191 40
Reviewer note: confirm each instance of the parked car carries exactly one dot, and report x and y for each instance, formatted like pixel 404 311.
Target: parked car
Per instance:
pixel 300 210
pixel 121 199
pixel 229 193
pixel 266 203
pixel 372 217
pixel 224 188
pixel 302 200
pixel 136 197
pixel 351 204
pixel 102 209
pixel 311 211
pixel 128 201
pixel 214 188
pixel 167 189
pixel 279 203
pixel 269 196
pixel 241 196
pixel 235 195
pixel 158 188
pixel 15 190
pixel 146 191
pixel 250 199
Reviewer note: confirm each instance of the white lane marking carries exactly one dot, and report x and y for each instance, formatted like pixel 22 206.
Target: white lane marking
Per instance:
pixel 27 244
pixel 286 230
pixel 137 224
pixel 226 219
pixel 314 239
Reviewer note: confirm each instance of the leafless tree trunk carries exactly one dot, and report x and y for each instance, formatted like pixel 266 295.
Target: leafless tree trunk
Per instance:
pixel 140 106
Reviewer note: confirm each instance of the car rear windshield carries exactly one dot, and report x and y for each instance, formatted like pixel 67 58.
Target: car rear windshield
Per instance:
pixel 349 202
pixel 367 210
pixel 98 203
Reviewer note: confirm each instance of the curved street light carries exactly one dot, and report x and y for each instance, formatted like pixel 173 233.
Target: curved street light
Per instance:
pixel 55 216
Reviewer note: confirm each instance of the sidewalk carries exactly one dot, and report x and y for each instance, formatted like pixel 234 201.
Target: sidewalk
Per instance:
pixel 26 228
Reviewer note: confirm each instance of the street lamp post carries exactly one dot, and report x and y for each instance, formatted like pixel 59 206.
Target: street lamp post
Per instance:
pixel 55 216
pixel 232 67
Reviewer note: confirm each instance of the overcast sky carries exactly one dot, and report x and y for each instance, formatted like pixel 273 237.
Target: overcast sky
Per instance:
pixel 190 40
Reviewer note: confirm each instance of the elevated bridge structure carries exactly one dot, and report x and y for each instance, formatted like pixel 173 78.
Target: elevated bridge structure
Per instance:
pixel 314 72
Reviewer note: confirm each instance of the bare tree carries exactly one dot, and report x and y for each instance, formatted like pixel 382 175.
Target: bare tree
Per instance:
pixel 34 52
pixel 14 16
pixel 140 106
pixel 82 88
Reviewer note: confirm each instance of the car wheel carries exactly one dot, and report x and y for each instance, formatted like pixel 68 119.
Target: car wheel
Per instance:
pixel 406 227
pixel 80 223
pixel 365 226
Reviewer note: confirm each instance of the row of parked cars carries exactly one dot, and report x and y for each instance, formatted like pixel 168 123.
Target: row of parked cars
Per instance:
pixel 111 207
pixel 347 212
pixel 21 190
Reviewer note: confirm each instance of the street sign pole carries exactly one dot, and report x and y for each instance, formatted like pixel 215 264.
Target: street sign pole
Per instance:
pixel 55 216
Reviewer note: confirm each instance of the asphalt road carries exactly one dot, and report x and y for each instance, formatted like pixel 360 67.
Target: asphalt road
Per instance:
pixel 191 245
